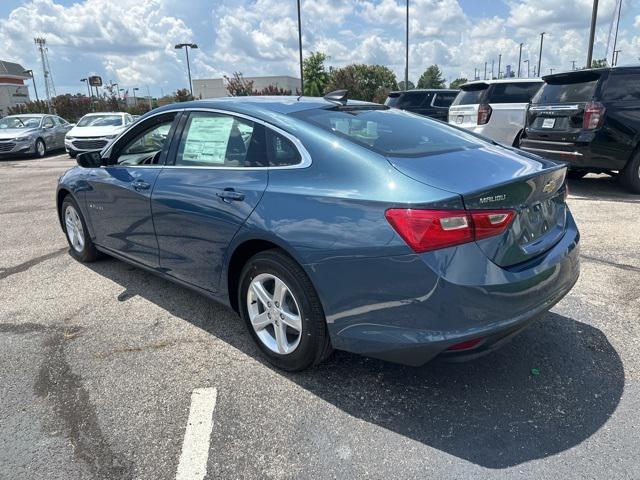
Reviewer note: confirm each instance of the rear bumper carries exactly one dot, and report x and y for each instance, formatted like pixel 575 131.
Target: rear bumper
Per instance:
pixel 410 309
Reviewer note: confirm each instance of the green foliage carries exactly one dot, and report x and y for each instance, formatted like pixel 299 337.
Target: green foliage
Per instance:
pixel 315 75
pixel 431 78
pixel 272 90
pixel 371 83
pixel 74 107
pixel 457 82
pixel 238 86
pixel 182 95
pixel 410 85
pixel 598 62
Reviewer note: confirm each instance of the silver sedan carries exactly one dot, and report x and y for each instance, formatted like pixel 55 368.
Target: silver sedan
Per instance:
pixel 32 134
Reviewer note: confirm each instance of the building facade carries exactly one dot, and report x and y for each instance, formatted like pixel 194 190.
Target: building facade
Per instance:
pixel 216 87
pixel 13 90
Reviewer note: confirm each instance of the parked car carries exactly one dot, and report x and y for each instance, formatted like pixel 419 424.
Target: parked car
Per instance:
pixel 591 119
pixel 32 134
pixel 329 223
pixel 494 108
pixel 94 131
pixel 432 103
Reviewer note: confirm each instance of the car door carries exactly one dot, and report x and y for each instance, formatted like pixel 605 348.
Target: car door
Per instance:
pixel 119 195
pixel 62 128
pixel 49 133
pixel 199 203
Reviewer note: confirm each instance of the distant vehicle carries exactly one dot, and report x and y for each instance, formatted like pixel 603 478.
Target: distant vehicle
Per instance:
pixel 494 108
pixel 94 131
pixel 329 223
pixel 432 103
pixel 591 119
pixel 32 134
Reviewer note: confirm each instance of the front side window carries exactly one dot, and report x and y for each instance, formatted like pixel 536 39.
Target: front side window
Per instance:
pixel 623 86
pixel 48 122
pixel 146 148
pixel 390 131
pixel 219 140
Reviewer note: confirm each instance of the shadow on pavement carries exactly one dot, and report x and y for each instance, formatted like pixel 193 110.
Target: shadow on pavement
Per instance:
pixel 600 187
pixel 551 388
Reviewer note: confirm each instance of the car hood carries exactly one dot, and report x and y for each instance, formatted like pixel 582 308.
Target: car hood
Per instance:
pixel 9 133
pixel 94 131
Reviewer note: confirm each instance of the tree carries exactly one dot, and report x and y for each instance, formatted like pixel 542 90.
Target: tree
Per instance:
pixel 238 86
pixel 371 83
pixel 315 75
pixel 457 82
pixel 410 85
pixel 272 90
pixel 431 78
pixel 183 95
pixel 598 62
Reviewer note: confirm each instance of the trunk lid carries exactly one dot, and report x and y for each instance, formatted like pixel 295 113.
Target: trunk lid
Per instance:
pixel 493 177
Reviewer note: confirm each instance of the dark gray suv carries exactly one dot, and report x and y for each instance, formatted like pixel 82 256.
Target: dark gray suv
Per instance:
pixel 432 103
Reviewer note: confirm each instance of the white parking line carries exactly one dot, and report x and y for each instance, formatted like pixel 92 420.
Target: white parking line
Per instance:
pixel 195 446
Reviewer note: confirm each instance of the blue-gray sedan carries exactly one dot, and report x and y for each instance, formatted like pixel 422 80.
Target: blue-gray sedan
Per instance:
pixel 32 134
pixel 332 224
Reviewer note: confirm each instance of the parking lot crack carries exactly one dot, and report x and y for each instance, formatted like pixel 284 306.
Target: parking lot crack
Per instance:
pixel 622 266
pixel 75 415
pixel 23 267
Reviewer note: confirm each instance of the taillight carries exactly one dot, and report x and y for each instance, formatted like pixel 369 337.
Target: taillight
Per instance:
pixel 593 115
pixel 484 114
pixel 426 230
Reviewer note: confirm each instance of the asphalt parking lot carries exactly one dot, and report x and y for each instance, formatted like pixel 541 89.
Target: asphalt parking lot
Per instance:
pixel 98 364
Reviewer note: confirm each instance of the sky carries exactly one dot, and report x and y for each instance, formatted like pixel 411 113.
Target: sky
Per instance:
pixel 131 42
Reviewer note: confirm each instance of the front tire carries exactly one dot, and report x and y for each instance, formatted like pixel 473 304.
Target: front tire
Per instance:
pixel 283 312
pixel 75 228
pixel 40 148
pixel 630 175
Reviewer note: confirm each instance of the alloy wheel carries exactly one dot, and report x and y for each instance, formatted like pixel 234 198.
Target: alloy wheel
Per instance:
pixel 40 148
pixel 274 313
pixel 73 225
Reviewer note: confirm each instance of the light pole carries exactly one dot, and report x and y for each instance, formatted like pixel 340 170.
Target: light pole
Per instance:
pixel 135 102
pixel 551 71
pixel 86 80
pixel 540 56
pixel 616 53
pixel 573 64
pixel 499 63
pixel 485 70
pixel 492 69
pixel 406 53
pixel 592 33
pixel 30 73
pixel 519 58
pixel 614 57
pixel 300 51
pixel 186 47
pixel 527 62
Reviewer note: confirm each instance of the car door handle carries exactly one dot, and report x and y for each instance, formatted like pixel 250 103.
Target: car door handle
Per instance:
pixel 140 185
pixel 229 195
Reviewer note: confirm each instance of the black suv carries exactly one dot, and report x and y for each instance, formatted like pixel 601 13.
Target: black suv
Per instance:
pixel 433 103
pixel 590 119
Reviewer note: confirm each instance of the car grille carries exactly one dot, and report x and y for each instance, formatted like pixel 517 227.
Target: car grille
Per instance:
pixel 89 144
pixel 6 147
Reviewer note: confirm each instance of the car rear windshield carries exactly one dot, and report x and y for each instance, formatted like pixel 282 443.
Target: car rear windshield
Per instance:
pixel 568 88
pixel 516 92
pixel 101 121
pixel 471 94
pixel 390 132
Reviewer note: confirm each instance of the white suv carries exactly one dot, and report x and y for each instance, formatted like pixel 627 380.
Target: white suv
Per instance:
pixel 494 108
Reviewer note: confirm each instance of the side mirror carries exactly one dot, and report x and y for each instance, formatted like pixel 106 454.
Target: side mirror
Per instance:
pixel 91 159
pixel 47 126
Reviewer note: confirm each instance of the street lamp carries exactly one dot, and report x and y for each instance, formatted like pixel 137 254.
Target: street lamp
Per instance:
pixel 527 62
pixel 186 47
pixel 519 58
pixel 540 56
pixel 135 102
pixel 30 73
pixel 86 80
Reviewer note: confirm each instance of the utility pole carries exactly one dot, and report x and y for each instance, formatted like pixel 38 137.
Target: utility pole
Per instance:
pixel 614 57
pixel 592 33
pixel 527 62
pixel 485 70
pixel 534 72
pixel 406 53
pixel 540 56
pixel 35 89
pixel 492 69
pixel 499 63
pixel 135 101
pixel 551 71
pixel 573 64
pixel 519 58
pixel 300 51
pixel 41 43
pixel 475 73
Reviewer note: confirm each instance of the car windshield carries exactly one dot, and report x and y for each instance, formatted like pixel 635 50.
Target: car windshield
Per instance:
pixel 390 132
pixel 20 122
pixel 569 88
pixel 101 121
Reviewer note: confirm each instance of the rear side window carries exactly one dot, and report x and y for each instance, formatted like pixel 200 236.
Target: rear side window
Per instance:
pixel 622 87
pixel 444 99
pixel 471 95
pixel 281 152
pixel 520 92
pixel 569 88
pixel 390 131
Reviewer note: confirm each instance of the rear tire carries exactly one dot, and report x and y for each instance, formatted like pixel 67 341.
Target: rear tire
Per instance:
pixel 576 174
pixel 630 175
pixel 81 246
pixel 300 349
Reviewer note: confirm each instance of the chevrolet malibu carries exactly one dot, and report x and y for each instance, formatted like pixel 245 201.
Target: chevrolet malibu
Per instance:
pixel 32 134
pixel 330 224
pixel 94 131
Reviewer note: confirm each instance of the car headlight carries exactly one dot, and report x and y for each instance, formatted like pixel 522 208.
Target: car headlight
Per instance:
pixel 69 138
pixel 22 139
pixel 111 136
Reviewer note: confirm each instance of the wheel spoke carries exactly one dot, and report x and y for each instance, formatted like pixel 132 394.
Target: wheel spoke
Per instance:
pixel 279 291
pixel 281 337
pixel 261 294
pixel 292 320
pixel 261 321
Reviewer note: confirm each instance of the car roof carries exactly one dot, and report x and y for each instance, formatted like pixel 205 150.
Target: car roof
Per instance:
pixel 93 114
pixel 427 90
pixel 503 80
pixel 28 115
pixel 588 70
pixel 262 107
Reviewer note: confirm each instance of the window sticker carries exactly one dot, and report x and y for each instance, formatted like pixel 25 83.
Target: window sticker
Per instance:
pixel 207 139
